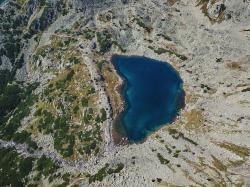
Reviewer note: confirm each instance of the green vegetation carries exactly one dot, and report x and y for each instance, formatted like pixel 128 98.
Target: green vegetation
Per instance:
pixel 15 98
pixel 218 164
pixel 11 93
pixel 165 37
pixel 162 159
pixel 201 2
pixel 84 102
pixel 64 143
pixel 70 75
pixel 14 169
pixel 104 41
pixel 66 178
pixel 16 102
pixel 9 99
pixel 43 19
pixel 101 64
pixel 69 41
pixel 91 140
pixel 119 167
pixel 238 150
pixel 204 8
pixel 160 51
pixel 24 137
pixel 88 115
pixel 176 154
pixel 103 115
pixel 103 172
pixel 119 46
pixel 40 51
pixel 104 17
pixel 64 121
pixel 176 135
pixel 74 60
pixel 59 127
pixel 12 48
pixel 42 3
pixel 88 34
pixel 45 166
pixel 142 24
pixel 169 150
pixel 222 8
pixel 100 175
pixel 246 90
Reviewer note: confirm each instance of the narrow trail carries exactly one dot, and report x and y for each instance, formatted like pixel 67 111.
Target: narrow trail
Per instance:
pixel 103 98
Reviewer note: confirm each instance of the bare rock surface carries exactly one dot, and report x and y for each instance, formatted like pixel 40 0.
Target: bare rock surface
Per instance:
pixel 208 42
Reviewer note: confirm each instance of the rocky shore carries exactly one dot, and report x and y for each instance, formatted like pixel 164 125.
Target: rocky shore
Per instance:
pixel 66 47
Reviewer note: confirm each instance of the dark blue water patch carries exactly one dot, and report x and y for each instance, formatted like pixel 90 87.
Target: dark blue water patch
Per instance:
pixel 153 94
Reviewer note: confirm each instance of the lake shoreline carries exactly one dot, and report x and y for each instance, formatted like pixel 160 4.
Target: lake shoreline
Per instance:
pixel 119 133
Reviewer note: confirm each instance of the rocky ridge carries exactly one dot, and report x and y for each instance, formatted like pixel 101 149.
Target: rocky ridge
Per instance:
pixel 55 62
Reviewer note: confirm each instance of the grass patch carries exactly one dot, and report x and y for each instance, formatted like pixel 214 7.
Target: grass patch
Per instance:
pixel 169 150
pixel 233 66
pixel 103 115
pixel 119 46
pixel 162 159
pixel 176 135
pixel 14 169
pixel 194 120
pixel 204 7
pixel 218 164
pixel 88 34
pixel 238 150
pixel 104 41
pixel 46 166
pixel 118 168
pixel 15 102
pixel 246 90
pixel 165 37
pixel 160 51
pixel 142 24
pixel 172 2
pixel 101 64
pixel 103 172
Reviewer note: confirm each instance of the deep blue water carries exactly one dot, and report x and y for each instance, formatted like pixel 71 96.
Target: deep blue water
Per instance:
pixel 152 92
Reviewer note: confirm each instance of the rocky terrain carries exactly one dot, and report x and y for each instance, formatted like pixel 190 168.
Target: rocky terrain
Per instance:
pixel 59 93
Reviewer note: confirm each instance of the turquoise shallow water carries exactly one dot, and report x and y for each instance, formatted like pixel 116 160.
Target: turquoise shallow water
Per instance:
pixel 152 92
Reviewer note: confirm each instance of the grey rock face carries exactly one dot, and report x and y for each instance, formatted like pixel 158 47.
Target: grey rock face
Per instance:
pixel 88 5
pixel 5 63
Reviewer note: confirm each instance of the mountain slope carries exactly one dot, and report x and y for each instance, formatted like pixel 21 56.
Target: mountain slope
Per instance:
pixel 59 92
